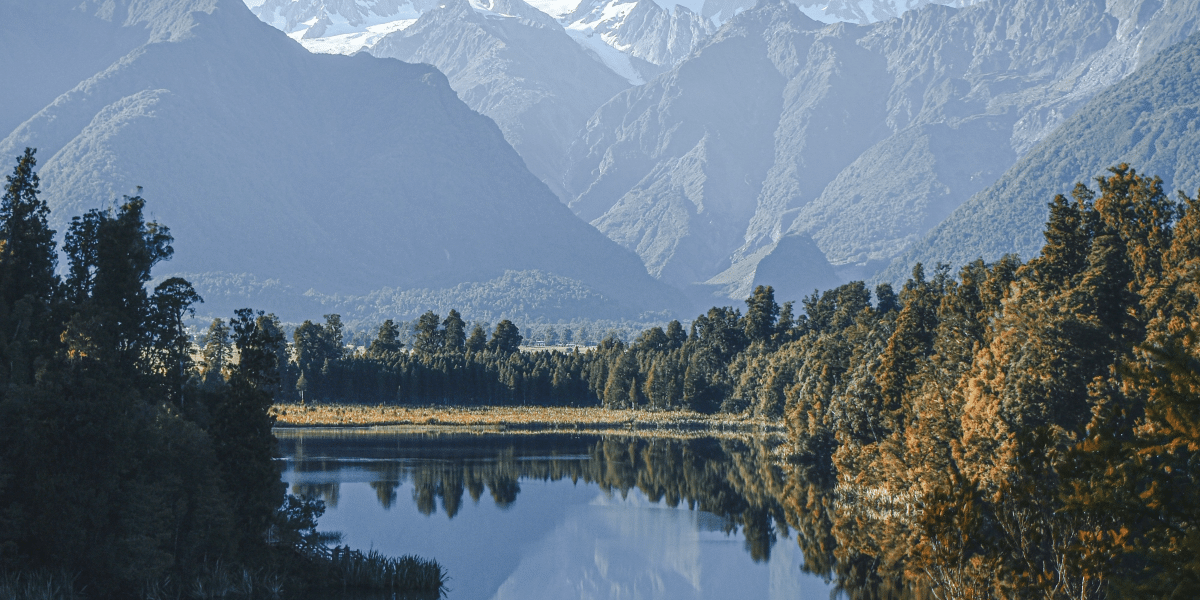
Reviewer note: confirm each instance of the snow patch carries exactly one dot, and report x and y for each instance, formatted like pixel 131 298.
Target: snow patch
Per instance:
pixel 349 43
pixel 816 13
pixel 558 9
pixel 619 62
pixel 695 6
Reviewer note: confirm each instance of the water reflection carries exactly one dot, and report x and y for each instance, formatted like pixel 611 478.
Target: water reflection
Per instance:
pixel 574 516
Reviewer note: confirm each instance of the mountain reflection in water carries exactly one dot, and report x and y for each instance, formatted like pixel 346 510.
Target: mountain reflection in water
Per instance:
pixel 566 516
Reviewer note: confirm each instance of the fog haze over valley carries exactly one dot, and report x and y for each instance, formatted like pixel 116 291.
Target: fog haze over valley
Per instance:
pixel 582 159
pixel 718 299
pixel 833 138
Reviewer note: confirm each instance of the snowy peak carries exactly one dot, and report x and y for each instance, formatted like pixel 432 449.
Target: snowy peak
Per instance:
pixel 659 32
pixel 865 12
pixel 339 26
pixel 642 28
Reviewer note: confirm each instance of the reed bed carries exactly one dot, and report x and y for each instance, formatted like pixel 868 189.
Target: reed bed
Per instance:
pixel 36 586
pixel 517 419
pixel 374 571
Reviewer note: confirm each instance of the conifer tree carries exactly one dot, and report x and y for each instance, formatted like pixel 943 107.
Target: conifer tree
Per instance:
pixel 454 331
pixel 216 350
pixel 27 280
pixel 429 338
pixel 762 313
pixel 386 342
pixel 506 339
pixel 241 429
pixel 478 340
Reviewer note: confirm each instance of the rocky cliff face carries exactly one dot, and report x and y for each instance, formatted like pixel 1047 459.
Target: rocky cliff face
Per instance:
pixel 341 174
pixel 516 65
pixel 1149 120
pixel 874 133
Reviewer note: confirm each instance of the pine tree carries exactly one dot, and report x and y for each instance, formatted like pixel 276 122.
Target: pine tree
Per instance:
pixel 216 349
pixel 478 340
pixel 386 342
pixel 28 283
pixel 762 313
pixel 27 254
pixel 506 339
pixel 454 331
pixel 429 338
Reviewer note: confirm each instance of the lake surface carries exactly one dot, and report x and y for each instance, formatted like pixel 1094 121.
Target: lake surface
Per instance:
pixel 563 516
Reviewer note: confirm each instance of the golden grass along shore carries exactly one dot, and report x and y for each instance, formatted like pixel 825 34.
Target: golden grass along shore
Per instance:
pixel 516 419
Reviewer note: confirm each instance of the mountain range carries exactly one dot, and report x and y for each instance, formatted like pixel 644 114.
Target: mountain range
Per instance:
pixel 340 175
pixel 833 136
pixel 1150 120
pixel 862 138
pixel 599 157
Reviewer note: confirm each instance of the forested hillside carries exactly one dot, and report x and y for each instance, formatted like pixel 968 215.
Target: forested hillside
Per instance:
pixel 860 138
pixel 121 472
pixel 1012 428
pixel 343 175
pixel 1149 119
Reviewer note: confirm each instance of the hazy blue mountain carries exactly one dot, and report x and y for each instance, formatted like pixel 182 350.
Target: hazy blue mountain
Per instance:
pixel 861 137
pixel 671 169
pixel 340 174
pixel 520 295
pixel 1150 120
pixel 516 65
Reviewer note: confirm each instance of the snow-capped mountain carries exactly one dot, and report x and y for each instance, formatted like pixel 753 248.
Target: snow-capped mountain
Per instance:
pixel 516 65
pixel 780 131
pixel 279 169
pixel 660 32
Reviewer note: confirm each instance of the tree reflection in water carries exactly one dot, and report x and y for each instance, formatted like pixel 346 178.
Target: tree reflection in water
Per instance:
pixel 743 487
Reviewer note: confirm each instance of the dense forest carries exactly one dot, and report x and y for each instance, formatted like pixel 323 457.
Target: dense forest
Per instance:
pixel 122 473
pixel 1004 430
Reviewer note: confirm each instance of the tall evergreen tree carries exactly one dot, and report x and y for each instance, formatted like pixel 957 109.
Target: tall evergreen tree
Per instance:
pixel 454 331
pixel 241 429
pixel 429 337
pixel 27 279
pixel 478 340
pixel 216 350
pixel 506 339
pixel 386 342
pixel 762 313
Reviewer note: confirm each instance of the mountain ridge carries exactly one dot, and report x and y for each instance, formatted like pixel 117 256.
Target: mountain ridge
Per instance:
pixel 1146 121
pixel 264 158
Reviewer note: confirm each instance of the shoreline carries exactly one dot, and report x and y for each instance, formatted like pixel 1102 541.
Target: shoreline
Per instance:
pixel 519 419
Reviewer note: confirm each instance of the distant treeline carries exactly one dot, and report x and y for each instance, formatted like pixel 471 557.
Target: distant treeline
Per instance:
pixel 1007 430
pixel 118 468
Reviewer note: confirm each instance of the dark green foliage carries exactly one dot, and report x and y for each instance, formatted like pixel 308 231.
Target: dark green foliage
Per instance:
pixel 27 279
pixel 478 340
pixel 506 339
pixel 387 342
pixel 429 338
pixel 1150 119
pixel 241 428
pixel 761 314
pixel 454 332
pixel 120 462
pixel 216 350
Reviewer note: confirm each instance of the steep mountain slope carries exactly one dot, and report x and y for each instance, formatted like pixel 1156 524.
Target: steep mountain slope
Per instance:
pixel 1151 121
pixel 877 133
pixel 659 35
pixel 512 61
pixel 669 168
pixel 653 30
pixel 343 174
pixel 514 64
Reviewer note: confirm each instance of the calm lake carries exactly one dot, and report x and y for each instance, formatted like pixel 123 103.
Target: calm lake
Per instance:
pixel 565 516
